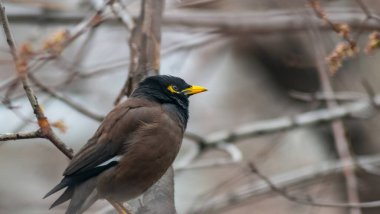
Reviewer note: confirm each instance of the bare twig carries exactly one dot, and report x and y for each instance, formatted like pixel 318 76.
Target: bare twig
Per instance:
pixel 45 130
pixel 234 153
pixel 145 43
pixel 291 122
pixel 20 135
pixel 258 22
pixel 365 9
pixel 322 96
pixel 21 68
pixel 309 201
pixel 315 5
pixel 66 100
pixel 284 181
pixel 121 12
pixel 341 143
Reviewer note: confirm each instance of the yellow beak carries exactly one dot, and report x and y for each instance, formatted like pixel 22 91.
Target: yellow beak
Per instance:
pixel 193 90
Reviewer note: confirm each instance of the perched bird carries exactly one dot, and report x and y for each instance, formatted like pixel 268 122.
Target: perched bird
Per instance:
pixel 133 147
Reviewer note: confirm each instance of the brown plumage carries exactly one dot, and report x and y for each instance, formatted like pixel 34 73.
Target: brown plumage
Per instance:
pixel 144 133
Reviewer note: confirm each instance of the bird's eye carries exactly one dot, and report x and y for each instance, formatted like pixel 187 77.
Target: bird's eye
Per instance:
pixel 173 89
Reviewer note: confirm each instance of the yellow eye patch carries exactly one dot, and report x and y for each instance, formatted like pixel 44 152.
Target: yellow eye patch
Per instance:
pixel 171 89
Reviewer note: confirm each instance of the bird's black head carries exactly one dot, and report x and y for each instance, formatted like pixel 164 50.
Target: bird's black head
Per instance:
pixel 167 90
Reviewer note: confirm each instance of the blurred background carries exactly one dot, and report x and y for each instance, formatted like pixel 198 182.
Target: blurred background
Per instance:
pixel 260 59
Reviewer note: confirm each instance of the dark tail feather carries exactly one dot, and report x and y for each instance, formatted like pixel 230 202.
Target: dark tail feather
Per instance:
pixel 80 177
pixel 64 183
pixel 64 197
pixel 80 189
pixel 84 196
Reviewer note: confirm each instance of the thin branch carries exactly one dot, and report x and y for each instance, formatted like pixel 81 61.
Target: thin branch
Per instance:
pixel 321 14
pixel 341 142
pixel 258 22
pixel 20 135
pixel 78 58
pixel 21 68
pixel 66 100
pixel 121 12
pixel 284 181
pixel 234 153
pixel 365 9
pixel 290 122
pixel 323 96
pixel 144 44
pixel 309 201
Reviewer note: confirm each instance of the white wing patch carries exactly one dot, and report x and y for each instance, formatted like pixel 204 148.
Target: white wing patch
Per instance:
pixel 116 158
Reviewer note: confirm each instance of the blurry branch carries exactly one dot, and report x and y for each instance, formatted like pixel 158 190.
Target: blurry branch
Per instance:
pixel 146 37
pixel 365 9
pixel 284 181
pixel 160 197
pixel 310 201
pixel 56 43
pixel 102 69
pixel 66 100
pixel 272 21
pixel 187 3
pixel 120 11
pixel 155 200
pixel 21 63
pixel 342 145
pixel 21 68
pixel 106 68
pixel 10 90
pixel 363 107
pixel 78 57
pixel 20 135
pixel 144 44
pixel 234 153
pixel 373 38
pixel 41 4
pixel 340 29
pixel 323 96
pixel 78 73
pixel 343 50
pixel 54 46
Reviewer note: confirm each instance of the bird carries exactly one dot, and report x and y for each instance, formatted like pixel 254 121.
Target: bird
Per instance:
pixel 132 148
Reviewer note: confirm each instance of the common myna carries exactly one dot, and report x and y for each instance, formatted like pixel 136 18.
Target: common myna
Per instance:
pixel 133 147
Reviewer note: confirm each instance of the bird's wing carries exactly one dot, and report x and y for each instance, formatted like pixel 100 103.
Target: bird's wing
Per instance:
pixel 111 137
pixel 110 140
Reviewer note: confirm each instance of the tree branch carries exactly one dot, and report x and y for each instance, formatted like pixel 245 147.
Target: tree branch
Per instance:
pixel 284 181
pixel 20 135
pixel 309 201
pixel 341 143
pixel 144 44
pixel 258 22
pixel 253 129
pixel 66 100
pixel 21 68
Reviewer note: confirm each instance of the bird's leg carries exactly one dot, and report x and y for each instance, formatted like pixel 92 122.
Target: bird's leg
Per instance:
pixel 119 207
